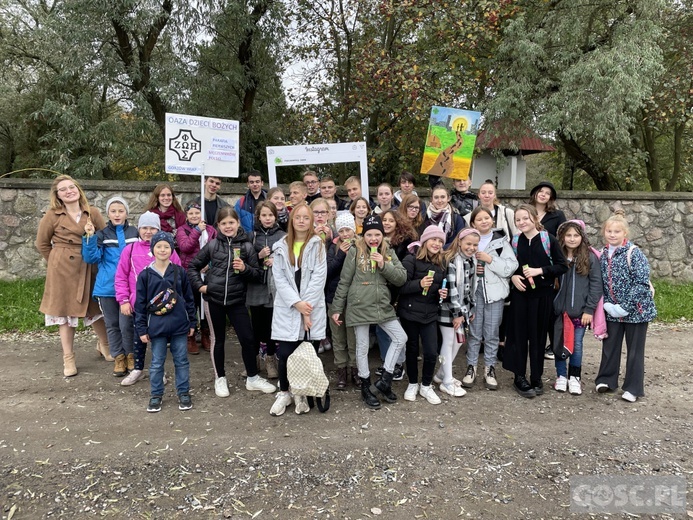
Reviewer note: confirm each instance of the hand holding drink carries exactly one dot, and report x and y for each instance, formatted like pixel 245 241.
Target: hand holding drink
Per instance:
pixel 430 275
pixel 374 249
pixel 236 255
pixel 529 278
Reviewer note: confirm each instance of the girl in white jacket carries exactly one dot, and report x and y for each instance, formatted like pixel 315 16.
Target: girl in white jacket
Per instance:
pixel 300 272
pixel 496 263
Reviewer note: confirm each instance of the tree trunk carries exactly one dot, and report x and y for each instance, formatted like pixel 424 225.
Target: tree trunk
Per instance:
pixel 676 173
pixel 602 179
pixel 651 163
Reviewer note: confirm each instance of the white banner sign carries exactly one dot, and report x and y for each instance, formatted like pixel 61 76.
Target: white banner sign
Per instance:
pixel 311 154
pixel 201 146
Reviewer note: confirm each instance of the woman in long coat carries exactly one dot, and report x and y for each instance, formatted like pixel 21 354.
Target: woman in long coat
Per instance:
pixel 69 280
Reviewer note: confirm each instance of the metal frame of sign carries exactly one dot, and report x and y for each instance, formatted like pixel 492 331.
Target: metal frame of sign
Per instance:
pixel 311 154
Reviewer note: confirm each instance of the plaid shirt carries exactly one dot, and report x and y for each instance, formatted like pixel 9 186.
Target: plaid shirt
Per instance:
pixel 461 290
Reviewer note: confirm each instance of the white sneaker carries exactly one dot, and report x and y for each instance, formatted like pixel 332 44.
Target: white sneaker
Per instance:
pixel 282 400
pixel 627 396
pixel 561 384
pixel 574 385
pixel 429 394
pixel 490 378
pixel 301 404
pixel 326 344
pixel 221 387
pixel 132 378
pixel 470 377
pixel 411 391
pixel 260 384
pixel 452 389
pixel 602 388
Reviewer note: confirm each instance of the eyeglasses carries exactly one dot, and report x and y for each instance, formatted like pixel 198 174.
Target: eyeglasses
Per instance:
pixel 417 208
pixel 320 212
pixel 310 182
pixel 66 188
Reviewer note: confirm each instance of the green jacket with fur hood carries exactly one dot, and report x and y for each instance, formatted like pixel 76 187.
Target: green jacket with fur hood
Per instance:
pixel 365 294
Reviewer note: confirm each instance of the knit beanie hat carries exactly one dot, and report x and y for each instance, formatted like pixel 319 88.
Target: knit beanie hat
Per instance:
pixel 345 220
pixel 149 219
pixel 373 222
pixel 545 184
pixel 192 204
pixel 121 200
pixel 432 231
pixel 158 237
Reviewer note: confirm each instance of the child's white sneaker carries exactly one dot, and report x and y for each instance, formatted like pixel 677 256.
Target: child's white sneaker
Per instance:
pixel 411 391
pixel 429 394
pixel 132 378
pixel 627 396
pixel 259 384
pixel 452 389
pixel 574 385
pixel 301 404
pixel 282 400
pixel 221 387
pixel 561 384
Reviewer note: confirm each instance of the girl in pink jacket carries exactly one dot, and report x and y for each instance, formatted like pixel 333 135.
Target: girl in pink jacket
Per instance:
pixel 134 258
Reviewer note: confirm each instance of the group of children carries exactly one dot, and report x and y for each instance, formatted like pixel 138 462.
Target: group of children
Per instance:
pixel 306 265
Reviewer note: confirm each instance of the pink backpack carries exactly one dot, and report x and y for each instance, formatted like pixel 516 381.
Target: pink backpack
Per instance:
pixel 599 318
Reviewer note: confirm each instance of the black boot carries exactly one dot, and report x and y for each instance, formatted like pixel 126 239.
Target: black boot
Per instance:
pixel 366 394
pixel 523 387
pixel 383 386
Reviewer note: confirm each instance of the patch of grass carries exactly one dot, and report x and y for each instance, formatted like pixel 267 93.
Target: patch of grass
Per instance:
pixel 673 300
pixel 19 310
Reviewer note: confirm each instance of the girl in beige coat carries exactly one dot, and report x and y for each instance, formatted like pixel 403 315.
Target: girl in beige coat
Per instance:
pixel 69 280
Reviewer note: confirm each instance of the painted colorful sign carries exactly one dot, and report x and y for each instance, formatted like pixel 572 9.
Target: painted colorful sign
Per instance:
pixel 450 142
pixel 201 146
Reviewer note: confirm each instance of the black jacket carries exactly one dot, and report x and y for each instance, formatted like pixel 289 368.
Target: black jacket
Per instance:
pixel 335 261
pixel 552 220
pixel 224 286
pixel 413 305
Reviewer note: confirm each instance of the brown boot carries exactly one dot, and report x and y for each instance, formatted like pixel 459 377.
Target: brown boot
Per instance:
pixel 192 346
pixel 260 363
pixel 103 350
pixel 206 341
pixel 355 377
pixel 341 378
pixel 271 366
pixel 120 367
pixel 69 365
pixel 130 362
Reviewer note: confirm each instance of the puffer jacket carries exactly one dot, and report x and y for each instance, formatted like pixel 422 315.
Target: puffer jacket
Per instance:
pixel 628 286
pixel 177 322
pixel 134 258
pixel 412 304
pixel 496 279
pixel 261 293
pixel 104 249
pixel 287 323
pixel 364 294
pixel 188 240
pixel 224 286
pixel 335 261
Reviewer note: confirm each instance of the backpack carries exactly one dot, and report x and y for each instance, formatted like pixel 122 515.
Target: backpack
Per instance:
pixel 628 255
pixel 307 376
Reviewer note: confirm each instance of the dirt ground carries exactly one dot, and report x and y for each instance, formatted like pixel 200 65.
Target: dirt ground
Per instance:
pixel 85 447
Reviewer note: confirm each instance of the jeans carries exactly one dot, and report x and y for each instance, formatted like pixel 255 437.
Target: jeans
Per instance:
pixel 179 352
pixel 397 341
pixel 119 328
pixel 576 357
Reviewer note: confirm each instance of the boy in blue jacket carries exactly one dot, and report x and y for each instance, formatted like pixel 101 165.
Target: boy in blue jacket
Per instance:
pixel 104 248
pixel 171 324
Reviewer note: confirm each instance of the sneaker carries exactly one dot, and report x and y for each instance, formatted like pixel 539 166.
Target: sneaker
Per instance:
pixel 602 388
pixel 411 391
pixel 184 402
pixel 574 385
pixel 321 348
pixel 301 404
pixel 132 378
pixel 452 389
pixel 398 373
pixel 470 377
pixel 282 400
pixel 561 384
pixel 221 387
pixel 429 394
pixel 538 387
pixel 490 378
pixel 379 371
pixel 326 344
pixel 522 387
pixel 627 396
pixel 548 353
pixel 154 404
pixel 260 384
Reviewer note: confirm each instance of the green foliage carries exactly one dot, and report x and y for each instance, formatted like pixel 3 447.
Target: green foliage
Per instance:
pixel 19 311
pixel 673 300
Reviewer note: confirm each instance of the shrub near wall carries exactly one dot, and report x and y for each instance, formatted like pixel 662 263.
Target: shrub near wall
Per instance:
pixel 661 223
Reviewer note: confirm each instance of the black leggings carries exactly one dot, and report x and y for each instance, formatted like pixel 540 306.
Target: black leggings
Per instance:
pixel 262 319
pixel 284 350
pixel 240 321
pixel 429 339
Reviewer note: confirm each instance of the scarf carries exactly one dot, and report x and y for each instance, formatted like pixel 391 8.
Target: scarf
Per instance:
pixel 441 218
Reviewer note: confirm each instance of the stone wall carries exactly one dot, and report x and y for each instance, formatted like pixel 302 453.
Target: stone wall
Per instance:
pixel 661 223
